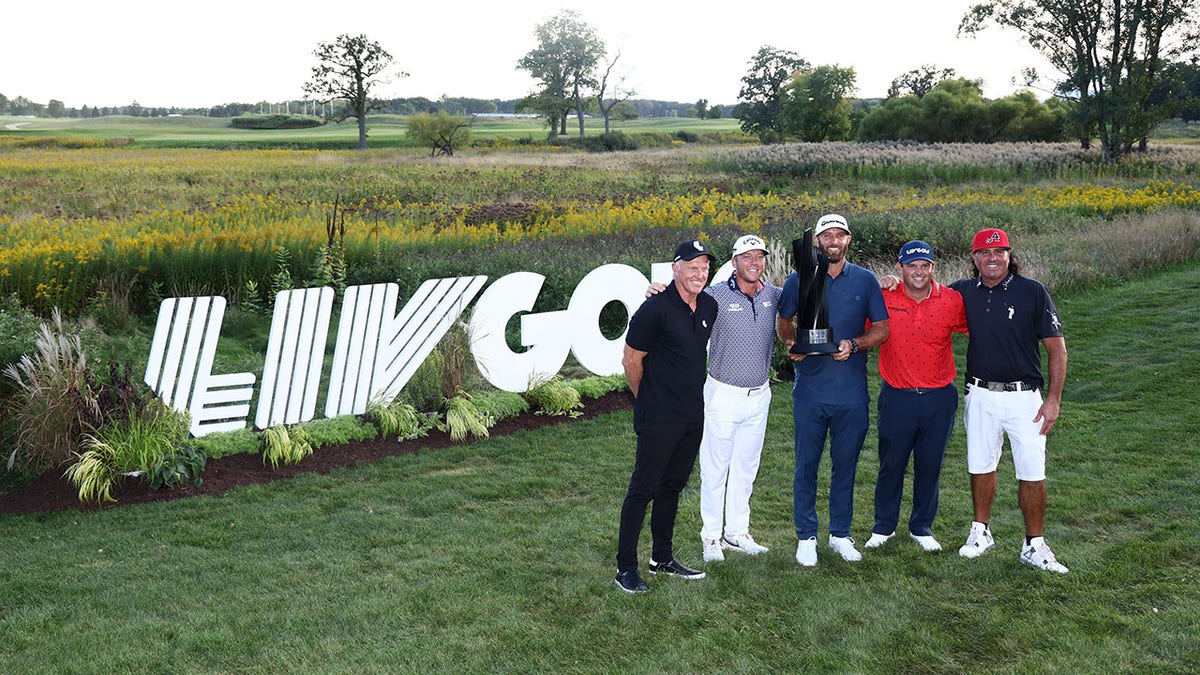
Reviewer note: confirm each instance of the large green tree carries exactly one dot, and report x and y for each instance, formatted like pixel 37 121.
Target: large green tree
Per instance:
pixel 564 65
pixel 348 69
pixel 919 81
pixel 761 98
pixel 954 111
pixel 817 107
pixel 1110 53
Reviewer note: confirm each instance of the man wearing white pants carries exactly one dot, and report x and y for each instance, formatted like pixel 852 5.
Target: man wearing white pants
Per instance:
pixel 1009 317
pixel 737 397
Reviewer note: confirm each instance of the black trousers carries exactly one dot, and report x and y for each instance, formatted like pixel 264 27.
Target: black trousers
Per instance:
pixel 666 455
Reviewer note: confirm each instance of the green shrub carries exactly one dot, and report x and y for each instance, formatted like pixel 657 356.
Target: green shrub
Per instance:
pixel 424 388
pixel 464 418
pixel 338 430
pixel 275 121
pixel 595 386
pixel 610 142
pixel 553 396
pixel 18 336
pixel 136 445
pixel 399 419
pixel 286 444
pixel 225 443
pixel 498 405
pixel 178 467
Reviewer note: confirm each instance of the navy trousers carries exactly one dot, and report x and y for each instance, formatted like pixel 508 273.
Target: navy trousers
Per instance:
pixel 916 424
pixel 846 427
pixel 666 455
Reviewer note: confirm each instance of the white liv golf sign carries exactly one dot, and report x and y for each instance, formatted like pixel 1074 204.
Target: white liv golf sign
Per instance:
pixel 378 349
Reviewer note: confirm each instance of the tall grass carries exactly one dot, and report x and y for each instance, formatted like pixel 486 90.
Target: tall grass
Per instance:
pixel 76 224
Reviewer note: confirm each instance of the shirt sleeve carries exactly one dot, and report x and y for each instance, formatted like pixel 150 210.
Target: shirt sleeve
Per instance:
pixel 1049 325
pixel 789 297
pixel 876 308
pixel 645 323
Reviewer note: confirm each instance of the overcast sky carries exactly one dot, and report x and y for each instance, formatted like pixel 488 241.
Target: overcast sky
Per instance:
pixel 245 51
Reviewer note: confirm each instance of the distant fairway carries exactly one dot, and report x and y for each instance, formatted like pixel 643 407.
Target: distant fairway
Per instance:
pixel 382 130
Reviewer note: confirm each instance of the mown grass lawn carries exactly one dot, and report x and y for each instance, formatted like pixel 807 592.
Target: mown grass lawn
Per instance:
pixel 498 555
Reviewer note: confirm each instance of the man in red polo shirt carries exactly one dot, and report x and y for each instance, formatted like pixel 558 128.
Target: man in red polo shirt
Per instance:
pixel 917 399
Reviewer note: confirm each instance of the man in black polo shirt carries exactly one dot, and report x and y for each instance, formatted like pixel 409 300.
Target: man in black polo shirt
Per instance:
pixel 665 362
pixel 1008 316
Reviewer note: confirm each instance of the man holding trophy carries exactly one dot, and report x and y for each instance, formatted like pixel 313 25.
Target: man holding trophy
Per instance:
pixel 830 312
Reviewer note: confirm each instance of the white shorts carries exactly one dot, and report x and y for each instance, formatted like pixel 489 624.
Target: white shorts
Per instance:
pixel 988 415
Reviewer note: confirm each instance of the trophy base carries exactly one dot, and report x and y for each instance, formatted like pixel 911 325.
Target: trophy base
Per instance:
pixel 817 342
pixel 820 349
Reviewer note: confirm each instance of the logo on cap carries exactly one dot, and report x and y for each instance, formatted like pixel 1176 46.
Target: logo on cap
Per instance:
pixel 994 238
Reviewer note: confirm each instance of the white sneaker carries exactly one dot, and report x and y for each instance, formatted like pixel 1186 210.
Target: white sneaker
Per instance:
pixel 806 552
pixel 877 540
pixel 1038 554
pixel 927 542
pixel 712 550
pixel 845 548
pixel 978 541
pixel 744 543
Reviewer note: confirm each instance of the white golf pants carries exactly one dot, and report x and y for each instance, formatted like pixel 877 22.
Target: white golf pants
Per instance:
pixel 735 424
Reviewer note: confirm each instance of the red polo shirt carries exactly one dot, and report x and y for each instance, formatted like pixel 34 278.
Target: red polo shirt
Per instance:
pixel 917 352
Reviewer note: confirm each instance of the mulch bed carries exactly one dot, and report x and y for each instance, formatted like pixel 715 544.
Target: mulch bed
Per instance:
pixel 51 492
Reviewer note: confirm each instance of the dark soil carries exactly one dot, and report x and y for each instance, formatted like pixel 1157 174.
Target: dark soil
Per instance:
pixel 51 492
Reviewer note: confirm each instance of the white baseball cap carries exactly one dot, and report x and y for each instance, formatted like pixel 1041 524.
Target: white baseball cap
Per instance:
pixel 830 221
pixel 749 242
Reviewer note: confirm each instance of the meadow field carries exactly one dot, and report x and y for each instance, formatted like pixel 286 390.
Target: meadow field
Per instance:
pixel 497 555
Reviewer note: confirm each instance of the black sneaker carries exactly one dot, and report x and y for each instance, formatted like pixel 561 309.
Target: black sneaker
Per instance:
pixel 676 569
pixel 631 582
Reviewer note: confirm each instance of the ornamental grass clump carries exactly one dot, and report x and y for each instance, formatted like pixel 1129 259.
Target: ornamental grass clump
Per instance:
pixel 51 383
pixel 464 418
pixel 148 442
pixel 284 444
pixel 553 396
pixel 399 419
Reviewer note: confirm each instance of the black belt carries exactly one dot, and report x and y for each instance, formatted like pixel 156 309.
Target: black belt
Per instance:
pixel 1002 386
pixel 915 390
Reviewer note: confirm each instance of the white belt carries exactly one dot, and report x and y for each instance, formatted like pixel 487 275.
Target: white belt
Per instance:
pixel 745 391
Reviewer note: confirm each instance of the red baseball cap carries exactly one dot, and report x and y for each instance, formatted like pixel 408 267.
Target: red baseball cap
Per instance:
pixel 989 238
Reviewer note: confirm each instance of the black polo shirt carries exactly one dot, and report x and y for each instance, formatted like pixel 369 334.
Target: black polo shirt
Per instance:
pixel 676 344
pixel 1007 324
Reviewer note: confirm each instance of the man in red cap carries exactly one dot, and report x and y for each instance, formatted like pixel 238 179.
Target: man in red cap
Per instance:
pixel 1009 316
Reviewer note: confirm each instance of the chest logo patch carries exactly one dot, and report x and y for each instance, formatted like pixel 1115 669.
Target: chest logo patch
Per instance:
pixel 1010 313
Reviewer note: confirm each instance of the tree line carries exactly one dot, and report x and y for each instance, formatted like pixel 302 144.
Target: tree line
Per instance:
pixel 453 105
pixel 1122 67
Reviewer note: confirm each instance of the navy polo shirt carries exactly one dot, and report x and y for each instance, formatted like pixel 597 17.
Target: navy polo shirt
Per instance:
pixel 853 297
pixel 1007 324
pixel 676 344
